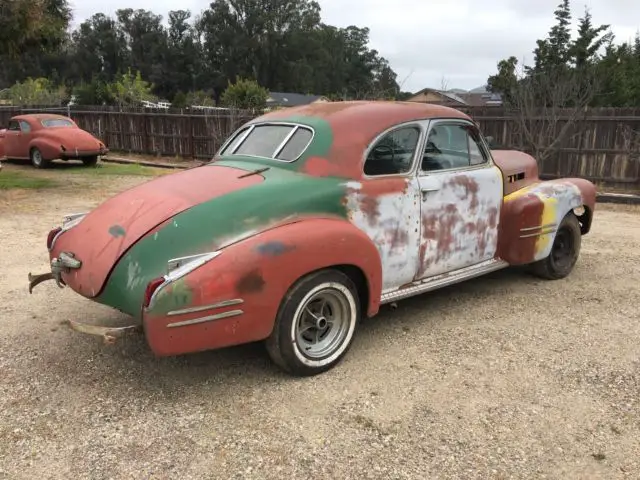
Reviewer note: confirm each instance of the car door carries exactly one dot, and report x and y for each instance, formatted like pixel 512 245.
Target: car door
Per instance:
pixel 386 204
pixel 12 140
pixel 461 198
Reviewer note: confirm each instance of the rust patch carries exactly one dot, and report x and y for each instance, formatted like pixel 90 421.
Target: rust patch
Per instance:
pixel 470 187
pixel 321 167
pixel 370 207
pixel 252 282
pixel 521 212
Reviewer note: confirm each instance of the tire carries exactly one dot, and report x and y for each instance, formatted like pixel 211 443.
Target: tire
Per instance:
pixel 564 251
pixel 90 161
pixel 293 348
pixel 37 160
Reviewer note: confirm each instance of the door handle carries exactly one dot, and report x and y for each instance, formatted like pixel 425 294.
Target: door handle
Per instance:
pixel 429 189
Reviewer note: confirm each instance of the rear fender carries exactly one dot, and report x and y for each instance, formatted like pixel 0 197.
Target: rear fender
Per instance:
pixel 234 298
pixel 530 217
pixel 48 149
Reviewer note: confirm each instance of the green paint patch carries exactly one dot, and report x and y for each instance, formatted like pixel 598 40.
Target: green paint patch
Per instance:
pixel 204 227
pixel 18 180
pixel 116 231
pixel 119 169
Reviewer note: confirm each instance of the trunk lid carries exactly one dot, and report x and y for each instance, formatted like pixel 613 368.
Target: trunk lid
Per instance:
pixel 109 230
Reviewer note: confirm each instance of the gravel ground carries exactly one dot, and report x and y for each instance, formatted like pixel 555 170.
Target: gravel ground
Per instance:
pixel 501 377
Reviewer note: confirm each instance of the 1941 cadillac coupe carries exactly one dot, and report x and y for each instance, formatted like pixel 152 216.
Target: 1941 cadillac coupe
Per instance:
pixel 42 137
pixel 308 219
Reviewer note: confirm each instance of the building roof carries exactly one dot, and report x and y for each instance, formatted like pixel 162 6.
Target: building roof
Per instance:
pixel 285 99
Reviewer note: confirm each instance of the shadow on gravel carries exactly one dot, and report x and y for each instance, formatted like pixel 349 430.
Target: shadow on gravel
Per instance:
pixel 83 361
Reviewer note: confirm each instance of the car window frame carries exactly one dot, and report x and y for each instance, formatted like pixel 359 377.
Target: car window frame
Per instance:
pixel 480 141
pixel 17 122
pixel 29 129
pixel 249 128
pixel 372 144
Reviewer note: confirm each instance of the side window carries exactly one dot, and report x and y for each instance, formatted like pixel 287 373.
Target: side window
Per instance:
pixel 393 153
pixel 14 126
pixel 451 146
pixel 25 127
pixel 476 154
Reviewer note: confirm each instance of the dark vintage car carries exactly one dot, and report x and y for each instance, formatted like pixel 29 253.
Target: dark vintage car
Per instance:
pixel 310 218
pixel 44 137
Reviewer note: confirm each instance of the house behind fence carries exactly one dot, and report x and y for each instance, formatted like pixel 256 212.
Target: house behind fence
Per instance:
pixel 602 146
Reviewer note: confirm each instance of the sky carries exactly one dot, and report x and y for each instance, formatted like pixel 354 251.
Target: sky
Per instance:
pixel 434 43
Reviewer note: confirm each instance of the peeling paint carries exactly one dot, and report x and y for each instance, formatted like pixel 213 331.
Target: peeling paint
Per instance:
pixel 274 249
pixel 459 220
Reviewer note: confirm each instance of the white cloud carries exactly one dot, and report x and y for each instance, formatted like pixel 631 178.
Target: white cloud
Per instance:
pixel 461 40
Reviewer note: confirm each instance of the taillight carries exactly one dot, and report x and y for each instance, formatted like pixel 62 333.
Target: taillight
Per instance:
pixel 152 286
pixel 51 236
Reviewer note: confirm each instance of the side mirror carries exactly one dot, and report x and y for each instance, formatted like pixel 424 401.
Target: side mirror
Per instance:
pixel 490 141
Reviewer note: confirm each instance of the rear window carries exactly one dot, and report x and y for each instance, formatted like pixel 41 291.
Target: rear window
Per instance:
pixel 57 122
pixel 281 142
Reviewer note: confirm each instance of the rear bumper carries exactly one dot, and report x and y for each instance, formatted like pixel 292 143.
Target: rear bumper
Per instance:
pixel 73 154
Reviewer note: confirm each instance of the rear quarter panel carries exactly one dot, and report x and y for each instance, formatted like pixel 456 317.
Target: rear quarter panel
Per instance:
pixel 258 271
pixel 530 217
pixel 50 149
pixel 2 135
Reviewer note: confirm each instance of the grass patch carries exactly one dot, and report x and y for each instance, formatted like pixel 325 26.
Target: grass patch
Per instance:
pixel 11 180
pixel 117 169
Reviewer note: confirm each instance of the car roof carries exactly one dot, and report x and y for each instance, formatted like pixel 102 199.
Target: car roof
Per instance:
pixel 368 112
pixel 352 125
pixel 40 116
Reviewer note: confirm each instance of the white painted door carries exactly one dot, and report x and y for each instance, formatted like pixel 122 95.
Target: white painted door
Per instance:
pixel 461 197
pixel 386 204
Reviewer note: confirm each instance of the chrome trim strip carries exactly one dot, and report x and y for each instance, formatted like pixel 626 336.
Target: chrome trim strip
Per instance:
pixel 181 271
pixel 539 227
pixel 68 222
pixel 539 234
pixel 443 280
pixel 210 318
pixel 202 308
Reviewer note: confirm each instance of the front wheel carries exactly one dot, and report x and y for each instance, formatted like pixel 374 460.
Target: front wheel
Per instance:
pixel 316 323
pixel 564 251
pixel 37 160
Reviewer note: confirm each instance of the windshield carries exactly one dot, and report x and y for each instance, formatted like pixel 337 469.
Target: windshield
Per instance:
pixel 277 141
pixel 57 122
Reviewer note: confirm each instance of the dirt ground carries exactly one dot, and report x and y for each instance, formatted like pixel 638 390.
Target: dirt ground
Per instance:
pixel 501 377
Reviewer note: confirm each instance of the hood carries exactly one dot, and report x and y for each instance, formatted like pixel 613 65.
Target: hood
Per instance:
pixel 70 137
pixel 108 231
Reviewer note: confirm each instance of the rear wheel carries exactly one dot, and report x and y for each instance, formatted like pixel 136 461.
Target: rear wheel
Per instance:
pixel 90 161
pixel 316 324
pixel 564 251
pixel 37 160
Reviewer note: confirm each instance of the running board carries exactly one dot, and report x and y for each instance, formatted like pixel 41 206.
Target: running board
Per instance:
pixel 442 280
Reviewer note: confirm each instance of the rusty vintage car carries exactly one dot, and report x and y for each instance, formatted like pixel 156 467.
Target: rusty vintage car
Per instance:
pixel 308 219
pixel 42 137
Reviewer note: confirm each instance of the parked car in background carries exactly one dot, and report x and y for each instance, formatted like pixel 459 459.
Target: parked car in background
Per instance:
pixel 43 137
pixel 310 218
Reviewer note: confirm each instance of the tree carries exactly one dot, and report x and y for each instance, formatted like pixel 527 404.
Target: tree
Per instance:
pixel 130 89
pixel 245 94
pixel 32 36
pixel 38 91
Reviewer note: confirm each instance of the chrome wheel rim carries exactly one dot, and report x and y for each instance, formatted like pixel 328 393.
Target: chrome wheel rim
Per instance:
pixel 37 157
pixel 323 323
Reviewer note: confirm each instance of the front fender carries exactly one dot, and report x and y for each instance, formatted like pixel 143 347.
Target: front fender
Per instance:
pixel 241 290
pixel 531 216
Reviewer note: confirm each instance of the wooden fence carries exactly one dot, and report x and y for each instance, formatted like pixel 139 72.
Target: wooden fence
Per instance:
pixel 603 146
